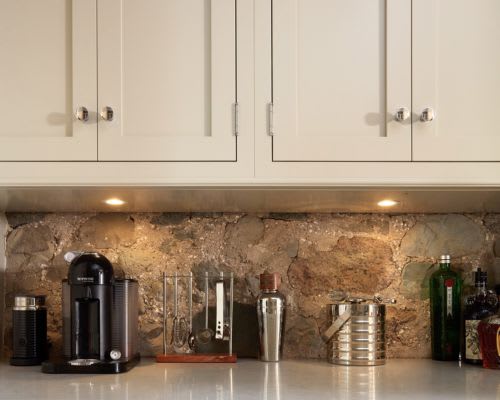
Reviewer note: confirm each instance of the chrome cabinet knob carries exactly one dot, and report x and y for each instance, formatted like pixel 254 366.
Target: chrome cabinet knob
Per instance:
pixel 402 114
pixel 427 115
pixel 82 114
pixel 107 114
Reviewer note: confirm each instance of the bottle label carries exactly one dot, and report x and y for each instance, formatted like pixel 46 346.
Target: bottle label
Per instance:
pixel 448 283
pixel 472 351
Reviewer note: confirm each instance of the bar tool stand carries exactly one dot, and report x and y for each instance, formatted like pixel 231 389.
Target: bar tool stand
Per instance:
pixel 183 340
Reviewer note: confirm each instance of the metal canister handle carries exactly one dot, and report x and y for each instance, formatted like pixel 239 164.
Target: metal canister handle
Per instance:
pixel 336 325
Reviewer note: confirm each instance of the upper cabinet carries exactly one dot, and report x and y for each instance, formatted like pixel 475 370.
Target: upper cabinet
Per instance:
pixel 167 80
pixel 237 92
pixel 456 77
pixel 340 72
pixel 47 72
pixel 379 81
pixel 166 87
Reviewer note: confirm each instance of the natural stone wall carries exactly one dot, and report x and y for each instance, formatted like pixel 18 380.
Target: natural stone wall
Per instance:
pixel 315 253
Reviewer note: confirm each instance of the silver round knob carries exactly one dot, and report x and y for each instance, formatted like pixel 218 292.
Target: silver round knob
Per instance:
pixel 107 114
pixel 82 114
pixel 115 354
pixel 427 115
pixel 402 114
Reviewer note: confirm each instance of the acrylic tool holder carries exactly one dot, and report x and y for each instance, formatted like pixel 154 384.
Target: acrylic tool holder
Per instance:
pixel 208 338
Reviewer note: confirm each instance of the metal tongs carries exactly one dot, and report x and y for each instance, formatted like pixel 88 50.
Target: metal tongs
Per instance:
pixel 338 296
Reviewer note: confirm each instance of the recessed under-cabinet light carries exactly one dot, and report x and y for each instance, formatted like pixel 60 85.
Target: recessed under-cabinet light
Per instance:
pixel 387 203
pixel 114 202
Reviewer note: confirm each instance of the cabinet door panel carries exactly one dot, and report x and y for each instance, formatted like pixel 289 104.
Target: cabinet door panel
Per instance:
pixel 456 64
pixel 340 71
pixel 167 68
pixel 47 70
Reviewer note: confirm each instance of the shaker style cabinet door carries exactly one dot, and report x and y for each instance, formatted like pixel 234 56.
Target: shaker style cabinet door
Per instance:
pixel 167 80
pixel 48 72
pixel 341 71
pixel 456 87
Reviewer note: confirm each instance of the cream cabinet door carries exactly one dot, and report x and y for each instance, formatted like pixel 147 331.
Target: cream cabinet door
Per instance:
pixel 340 72
pixel 47 71
pixel 167 70
pixel 456 72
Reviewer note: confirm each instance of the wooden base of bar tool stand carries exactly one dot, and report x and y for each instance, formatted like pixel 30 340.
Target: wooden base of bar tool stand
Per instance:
pixel 223 325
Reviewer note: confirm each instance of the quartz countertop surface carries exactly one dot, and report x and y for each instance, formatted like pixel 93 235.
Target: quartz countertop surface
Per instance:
pixel 251 379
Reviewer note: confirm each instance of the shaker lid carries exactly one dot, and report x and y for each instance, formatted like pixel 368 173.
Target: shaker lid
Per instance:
pixel 269 281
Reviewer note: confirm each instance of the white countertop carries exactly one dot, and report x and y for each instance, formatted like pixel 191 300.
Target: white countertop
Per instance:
pixel 248 379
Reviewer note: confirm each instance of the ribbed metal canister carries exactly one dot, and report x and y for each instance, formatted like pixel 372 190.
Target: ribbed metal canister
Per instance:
pixel 29 330
pixel 361 339
pixel 125 315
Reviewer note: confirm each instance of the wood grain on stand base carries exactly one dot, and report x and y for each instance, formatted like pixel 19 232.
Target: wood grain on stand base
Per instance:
pixel 196 358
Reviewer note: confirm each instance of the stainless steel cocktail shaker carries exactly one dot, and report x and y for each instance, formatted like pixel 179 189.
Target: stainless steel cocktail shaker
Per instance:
pixel 271 316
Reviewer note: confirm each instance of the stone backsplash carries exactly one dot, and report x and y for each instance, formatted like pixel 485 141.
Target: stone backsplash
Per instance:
pixel 392 255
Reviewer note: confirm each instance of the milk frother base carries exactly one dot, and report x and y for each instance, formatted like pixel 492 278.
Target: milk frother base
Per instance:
pixel 23 362
pixel 109 367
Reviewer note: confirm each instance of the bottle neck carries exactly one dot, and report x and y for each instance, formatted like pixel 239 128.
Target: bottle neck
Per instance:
pixel 269 291
pixel 481 287
pixel 444 266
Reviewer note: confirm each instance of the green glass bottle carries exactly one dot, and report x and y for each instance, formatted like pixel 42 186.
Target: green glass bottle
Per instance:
pixel 445 295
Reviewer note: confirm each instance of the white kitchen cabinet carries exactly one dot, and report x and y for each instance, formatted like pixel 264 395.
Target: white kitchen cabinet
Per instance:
pixel 167 70
pixel 456 74
pixel 340 71
pixel 318 83
pixel 47 71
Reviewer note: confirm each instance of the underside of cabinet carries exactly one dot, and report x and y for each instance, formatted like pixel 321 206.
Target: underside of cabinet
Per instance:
pixel 257 199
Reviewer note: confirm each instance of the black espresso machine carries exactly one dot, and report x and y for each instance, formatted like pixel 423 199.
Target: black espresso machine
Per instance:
pixel 100 318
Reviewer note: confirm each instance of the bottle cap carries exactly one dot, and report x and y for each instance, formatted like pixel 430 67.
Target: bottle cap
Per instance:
pixel 445 258
pixel 269 281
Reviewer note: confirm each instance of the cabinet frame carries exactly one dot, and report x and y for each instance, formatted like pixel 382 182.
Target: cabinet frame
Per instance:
pixel 393 142
pixel 82 144
pixel 221 144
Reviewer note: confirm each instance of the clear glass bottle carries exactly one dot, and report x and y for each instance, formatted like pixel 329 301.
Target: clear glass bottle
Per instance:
pixel 445 298
pixel 480 305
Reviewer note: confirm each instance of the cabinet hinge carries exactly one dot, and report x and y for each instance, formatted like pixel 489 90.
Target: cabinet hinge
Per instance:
pixel 236 119
pixel 271 119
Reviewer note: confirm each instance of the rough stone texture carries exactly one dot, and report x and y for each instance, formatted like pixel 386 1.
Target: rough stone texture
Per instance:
pixel 415 284
pixel 392 255
pixel 354 264
pixel 107 231
pixel 435 235
pixel 497 248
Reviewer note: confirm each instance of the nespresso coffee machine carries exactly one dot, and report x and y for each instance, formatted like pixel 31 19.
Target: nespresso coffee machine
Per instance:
pixel 100 331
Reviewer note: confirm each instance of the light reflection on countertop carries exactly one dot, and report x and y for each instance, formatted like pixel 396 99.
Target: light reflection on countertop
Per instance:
pixel 250 379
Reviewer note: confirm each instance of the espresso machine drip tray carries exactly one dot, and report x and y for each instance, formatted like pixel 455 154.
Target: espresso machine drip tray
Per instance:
pixel 84 361
pixel 89 366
